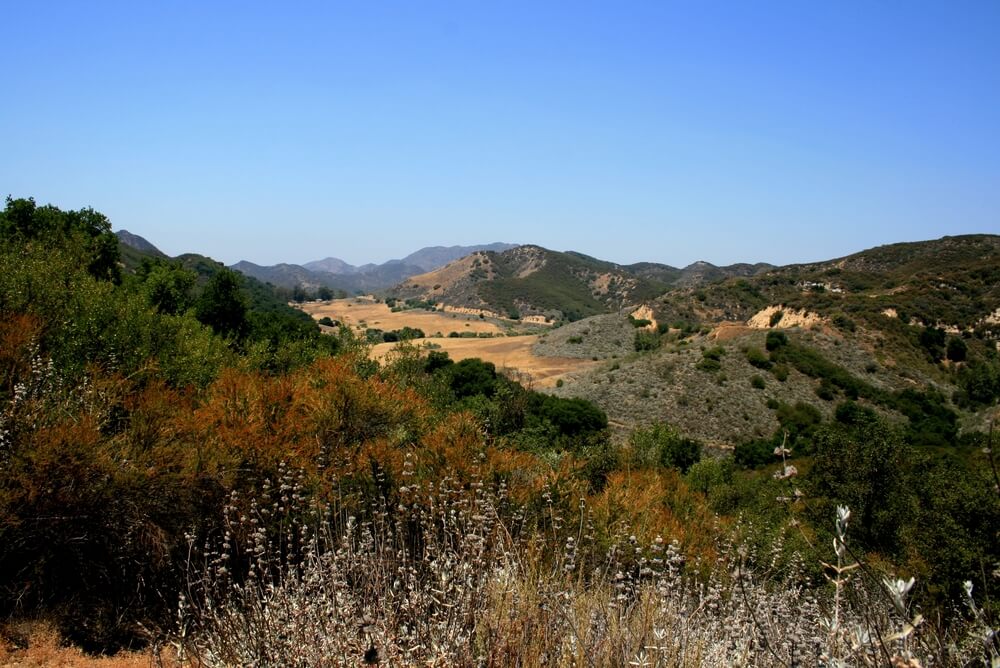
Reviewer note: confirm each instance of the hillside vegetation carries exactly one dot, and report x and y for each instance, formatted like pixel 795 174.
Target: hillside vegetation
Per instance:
pixel 183 465
pixel 530 280
pixel 918 317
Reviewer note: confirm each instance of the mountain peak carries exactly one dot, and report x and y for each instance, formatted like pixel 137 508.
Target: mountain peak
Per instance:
pixel 331 265
pixel 432 257
pixel 138 243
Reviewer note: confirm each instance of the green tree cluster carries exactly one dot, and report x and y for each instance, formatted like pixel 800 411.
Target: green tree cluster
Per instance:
pixel 661 445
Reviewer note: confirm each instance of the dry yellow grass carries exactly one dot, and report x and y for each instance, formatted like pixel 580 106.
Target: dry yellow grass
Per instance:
pixel 39 645
pixel 362 314
pixel 513 352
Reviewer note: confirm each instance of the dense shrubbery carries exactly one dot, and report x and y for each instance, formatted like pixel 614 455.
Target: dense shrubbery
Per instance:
pixel 661 445
pixel 980 383
pixel 646 340
pixel 931 420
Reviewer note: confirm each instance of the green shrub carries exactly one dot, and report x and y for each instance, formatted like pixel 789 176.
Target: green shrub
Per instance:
pixel 571 417
pixel 714 353
pixel 957 350
pixel 471 377
pixel 826 391
pixel 706 474
pixel 437 359
pixel 799 421
pixel 661 445
pixel 752 454
pixel 645 341
pixel 757 358
pixel 409 333
pixel 775 340
pixel 710 359
pixel 757 382
pixel 708 364
pixel 980 384
pixel 843 323
pixel 222 305
pixel 933 341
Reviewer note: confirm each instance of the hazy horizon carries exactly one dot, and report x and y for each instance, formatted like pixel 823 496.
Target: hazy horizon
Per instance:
pixel 680 265
pixel 663 132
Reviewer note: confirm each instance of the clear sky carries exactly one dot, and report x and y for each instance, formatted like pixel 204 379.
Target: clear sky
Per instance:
pixel 660 131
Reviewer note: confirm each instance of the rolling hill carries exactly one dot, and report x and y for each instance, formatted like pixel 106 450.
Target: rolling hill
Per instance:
pixel 531 281
pixel 910 330
pixel 259 297
pixel 535 281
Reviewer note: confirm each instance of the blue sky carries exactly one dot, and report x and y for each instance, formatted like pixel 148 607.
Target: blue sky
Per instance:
pixel 660 131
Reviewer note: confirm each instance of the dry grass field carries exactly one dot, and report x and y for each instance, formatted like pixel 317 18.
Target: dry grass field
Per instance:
pixel 38 645
pixel 361 314
pixel 513 352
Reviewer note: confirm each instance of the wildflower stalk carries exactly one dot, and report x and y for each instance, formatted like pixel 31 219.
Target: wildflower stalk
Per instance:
pixel 841 574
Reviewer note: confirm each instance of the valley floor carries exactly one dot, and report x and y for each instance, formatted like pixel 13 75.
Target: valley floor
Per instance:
pixel 506 352
pixel 511 352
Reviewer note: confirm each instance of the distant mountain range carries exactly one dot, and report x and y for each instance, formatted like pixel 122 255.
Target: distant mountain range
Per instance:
pixel 916 280
pixel 499 277
pixel 337 274
pixel 425 259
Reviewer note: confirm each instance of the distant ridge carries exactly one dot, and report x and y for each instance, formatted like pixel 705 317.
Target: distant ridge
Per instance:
pixel 425 259
pixel 288 275
pixel 433 257
pixel 335 273
pixel 138 243
pixel 331 265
